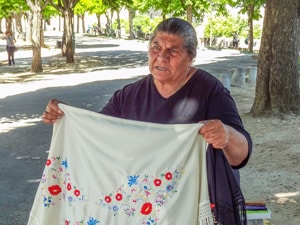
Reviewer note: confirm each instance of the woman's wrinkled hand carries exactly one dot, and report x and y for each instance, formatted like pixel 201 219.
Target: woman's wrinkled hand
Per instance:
pixel 52 112
pixel 215 132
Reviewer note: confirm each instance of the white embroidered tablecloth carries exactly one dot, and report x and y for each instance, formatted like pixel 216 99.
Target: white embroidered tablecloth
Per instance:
pixel 103 170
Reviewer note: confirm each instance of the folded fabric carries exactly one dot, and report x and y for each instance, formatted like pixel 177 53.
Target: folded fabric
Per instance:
pixel 252 207
pixel 110 171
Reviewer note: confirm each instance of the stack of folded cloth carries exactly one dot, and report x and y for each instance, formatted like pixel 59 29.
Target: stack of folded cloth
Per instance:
pixel 257 210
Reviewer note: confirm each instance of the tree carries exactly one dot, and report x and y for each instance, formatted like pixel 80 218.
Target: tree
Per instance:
pixel 252 8
pixel 224 26
pixel 81 7
pixel 98 8
pixel 13 9
pixel 277 86
pixel 36 7
pixel 66 8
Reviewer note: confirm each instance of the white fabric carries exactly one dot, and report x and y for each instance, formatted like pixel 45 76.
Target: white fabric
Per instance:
pixel 109 171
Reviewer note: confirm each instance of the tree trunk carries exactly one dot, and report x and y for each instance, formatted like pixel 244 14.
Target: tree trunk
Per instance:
pixel 250 13
pixel 19 28
pixel 277 86
pixel 118 34
pixel 131 14
pixel 83 23
pixel 98 16
pixel 68 18
pixel 42 38
pixel 36 40
pixel 189 13
pixel 8 23
pixel 63 42
pixel 77 24
pixel 28 34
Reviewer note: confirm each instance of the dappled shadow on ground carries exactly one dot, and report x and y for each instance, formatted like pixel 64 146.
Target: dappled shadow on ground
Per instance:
pixel 93 55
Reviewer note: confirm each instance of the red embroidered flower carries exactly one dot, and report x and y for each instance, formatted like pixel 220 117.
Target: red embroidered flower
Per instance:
pixel 168 176
pixel 54 189
pixel 107 199
pixel 66 222
pixel 119 197
pixel 48 162
pixel 157 182
pixel 69 187
pixel 212 205
pixel 146 208
pixel 76 192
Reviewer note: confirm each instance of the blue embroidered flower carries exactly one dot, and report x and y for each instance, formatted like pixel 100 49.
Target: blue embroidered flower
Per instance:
pixel 151 221
pixel 70 198
pixel 132 180
pixel 65 163
pixel 92 221
pixel 169 188
pixel 115 208
pixel 47 201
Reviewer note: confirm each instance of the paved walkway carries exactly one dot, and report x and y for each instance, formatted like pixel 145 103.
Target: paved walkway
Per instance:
pixel 97 59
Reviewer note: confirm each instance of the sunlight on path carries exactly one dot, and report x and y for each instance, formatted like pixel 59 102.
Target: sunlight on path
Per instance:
pixel 70 80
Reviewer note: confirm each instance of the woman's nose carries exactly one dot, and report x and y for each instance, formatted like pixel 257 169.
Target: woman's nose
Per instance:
pixel 163 55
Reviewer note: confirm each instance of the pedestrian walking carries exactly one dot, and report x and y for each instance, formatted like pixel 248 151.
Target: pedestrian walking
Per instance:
pixel 10 47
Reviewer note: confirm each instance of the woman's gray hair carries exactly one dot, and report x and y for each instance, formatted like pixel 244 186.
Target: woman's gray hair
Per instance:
pixel 181 28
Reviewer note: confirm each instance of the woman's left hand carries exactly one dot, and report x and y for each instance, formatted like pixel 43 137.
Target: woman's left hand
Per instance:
pixel 215 132
pixel 221 136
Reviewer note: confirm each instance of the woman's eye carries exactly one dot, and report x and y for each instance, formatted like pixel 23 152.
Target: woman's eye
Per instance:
pixel 174 52
pixel 155 48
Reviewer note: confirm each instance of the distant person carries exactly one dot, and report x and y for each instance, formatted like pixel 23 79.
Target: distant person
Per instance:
pixel 10 47
pixel 235 41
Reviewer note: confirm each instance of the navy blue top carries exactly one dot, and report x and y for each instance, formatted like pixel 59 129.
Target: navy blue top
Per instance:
pixel 203 97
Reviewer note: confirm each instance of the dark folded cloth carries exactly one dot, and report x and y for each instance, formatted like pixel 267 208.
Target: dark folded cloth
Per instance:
pixel 255 203
pixel 254 207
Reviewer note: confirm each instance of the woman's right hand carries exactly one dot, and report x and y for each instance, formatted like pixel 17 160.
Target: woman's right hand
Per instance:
pixel 52 112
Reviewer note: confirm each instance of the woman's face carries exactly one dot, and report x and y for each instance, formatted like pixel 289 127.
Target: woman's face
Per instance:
pixel 168 59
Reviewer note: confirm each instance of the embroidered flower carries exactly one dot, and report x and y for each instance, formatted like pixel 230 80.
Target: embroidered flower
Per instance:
pixel 168 176
pixel 157 182
pixel 169 188
pixel 54 189
pixel 76 192
pixel 107 199
pixel 119 197
pixel 92 221
pixel 132 180
pixel 47 201
pixel 69 187
pixel 150 220
pixel 65 163
pixel 70 199
pixel 115 208
pixel 48 162
pixel 146 208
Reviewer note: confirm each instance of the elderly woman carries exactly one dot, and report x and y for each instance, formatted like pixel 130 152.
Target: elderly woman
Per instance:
pixel 176 92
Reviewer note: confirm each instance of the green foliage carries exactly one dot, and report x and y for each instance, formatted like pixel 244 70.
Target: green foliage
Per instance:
pixel 225 26
pixel 49 12
pixel 10 7
pixel 96 7
pixel 257 31
pixel 124 24
pixel 144 24
pixel 244 4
